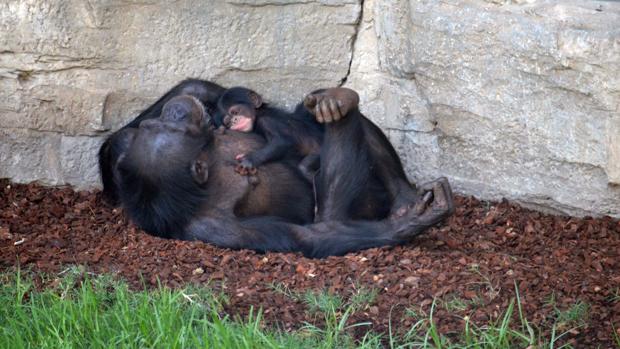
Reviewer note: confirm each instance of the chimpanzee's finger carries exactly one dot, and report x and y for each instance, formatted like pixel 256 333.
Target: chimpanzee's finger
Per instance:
pixel 423 203
pixel 342 109
pixel 240 170
pixel 425 187
pixel 333 106
pixel 327 115
pixel 449 194
pixel 441 198
pixel 428 197
pixel 310 102
pixel 318 114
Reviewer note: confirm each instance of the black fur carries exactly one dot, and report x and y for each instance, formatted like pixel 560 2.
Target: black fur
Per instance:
pixel 207 92
pixel 288 134
pixel 114 146
pixel 161 196
pixel 162 208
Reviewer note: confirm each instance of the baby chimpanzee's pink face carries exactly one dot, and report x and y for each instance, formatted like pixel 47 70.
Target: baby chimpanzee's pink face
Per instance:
pixel 240 117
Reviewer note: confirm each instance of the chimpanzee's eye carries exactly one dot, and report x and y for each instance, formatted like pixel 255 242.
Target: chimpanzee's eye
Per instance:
pixel 227 120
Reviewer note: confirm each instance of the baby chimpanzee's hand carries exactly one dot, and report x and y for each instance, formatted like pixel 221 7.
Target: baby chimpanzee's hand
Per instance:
pixel 245 167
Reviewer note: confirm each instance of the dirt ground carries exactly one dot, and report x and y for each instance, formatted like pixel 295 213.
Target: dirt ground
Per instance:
pixel 470 264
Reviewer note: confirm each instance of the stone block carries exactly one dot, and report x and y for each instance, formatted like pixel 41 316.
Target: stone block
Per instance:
pixel 515 99
pixel 78 160
pixel 27 156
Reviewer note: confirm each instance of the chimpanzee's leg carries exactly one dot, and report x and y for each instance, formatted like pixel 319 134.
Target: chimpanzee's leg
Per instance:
pixel 324 238
pixel 388 167
pixel 345 168
pixel 354 151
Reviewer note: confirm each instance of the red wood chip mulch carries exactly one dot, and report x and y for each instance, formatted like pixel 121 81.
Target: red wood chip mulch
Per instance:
pixel 476 257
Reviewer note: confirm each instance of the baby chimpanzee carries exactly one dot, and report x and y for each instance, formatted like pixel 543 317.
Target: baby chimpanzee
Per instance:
pixel 287 134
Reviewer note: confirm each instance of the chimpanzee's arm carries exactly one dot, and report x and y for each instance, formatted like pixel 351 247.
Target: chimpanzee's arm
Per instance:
pixel 278 144
pixel 275 149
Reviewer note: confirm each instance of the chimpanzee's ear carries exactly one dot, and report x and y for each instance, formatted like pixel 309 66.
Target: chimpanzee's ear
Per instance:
pixel 256 99
pixel 200 171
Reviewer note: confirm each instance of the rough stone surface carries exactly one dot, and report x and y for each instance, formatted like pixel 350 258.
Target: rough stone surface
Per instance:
pixel 78 159
pixel 71 71
pixel 516 99
pixel 27 156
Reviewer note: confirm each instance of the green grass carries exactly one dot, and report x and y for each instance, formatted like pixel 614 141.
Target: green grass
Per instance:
pixel 335 312
pixel 99 312
pixel 78 311
pixel 615 295
pixel 616 337
pixel 453 303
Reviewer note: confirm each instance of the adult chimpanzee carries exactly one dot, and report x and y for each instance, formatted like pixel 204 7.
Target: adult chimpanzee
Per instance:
pixel 176 180
pixel 296 133
pixel 115 145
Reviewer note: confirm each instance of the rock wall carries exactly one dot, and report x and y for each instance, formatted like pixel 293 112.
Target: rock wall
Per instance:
pixel 517 99
pixel 71 71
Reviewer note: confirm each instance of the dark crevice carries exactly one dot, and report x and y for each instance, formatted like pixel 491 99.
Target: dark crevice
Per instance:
pixel 358 25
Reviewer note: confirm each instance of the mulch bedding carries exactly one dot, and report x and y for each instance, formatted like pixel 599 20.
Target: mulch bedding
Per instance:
pixel 477 256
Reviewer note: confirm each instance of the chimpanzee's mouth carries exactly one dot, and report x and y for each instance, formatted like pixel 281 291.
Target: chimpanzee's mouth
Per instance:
pixel 242 124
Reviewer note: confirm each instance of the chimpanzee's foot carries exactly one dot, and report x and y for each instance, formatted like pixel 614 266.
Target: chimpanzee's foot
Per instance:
pixel 434 206
pixel 332 104
pixel 408 199
pixel 405 207
pixel 404 202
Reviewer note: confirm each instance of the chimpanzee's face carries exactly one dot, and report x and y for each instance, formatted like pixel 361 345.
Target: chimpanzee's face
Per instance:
pixel 172 141
pixel 238 107
pixel 240 117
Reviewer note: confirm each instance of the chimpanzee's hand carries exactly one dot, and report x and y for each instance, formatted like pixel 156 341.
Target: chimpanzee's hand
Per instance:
pixel 220 130
pixel 332 104
pixel 245 167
